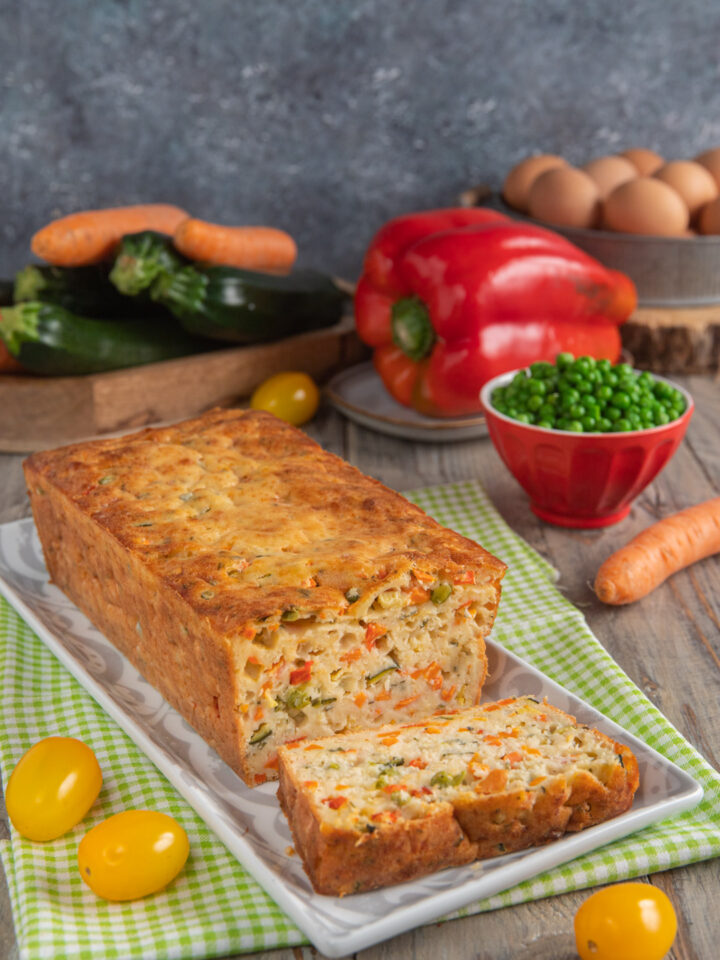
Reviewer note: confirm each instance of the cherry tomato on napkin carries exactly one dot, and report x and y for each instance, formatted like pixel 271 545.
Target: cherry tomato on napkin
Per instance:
pixel 628 921
pixel 52 787
pixel 132 854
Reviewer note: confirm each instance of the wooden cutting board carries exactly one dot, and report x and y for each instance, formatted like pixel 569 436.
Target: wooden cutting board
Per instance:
pixel 43 412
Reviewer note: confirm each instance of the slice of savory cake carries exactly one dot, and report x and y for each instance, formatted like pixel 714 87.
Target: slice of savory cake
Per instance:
pixel 268 589
pixel 378 807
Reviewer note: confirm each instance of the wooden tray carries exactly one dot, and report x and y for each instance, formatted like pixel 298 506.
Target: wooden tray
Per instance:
pixel 42 412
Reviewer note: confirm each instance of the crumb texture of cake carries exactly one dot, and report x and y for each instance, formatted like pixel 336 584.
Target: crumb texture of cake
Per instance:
pixel 379 807
pixel 267 588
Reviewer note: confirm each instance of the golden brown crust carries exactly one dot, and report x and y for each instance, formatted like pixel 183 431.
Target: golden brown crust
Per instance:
pixel 296 494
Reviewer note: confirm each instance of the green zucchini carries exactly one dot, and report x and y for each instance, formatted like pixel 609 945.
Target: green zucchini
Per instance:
pixel 6 293
pixel 86 291
pixel 48 339
pixel 245 306
pixel 141 258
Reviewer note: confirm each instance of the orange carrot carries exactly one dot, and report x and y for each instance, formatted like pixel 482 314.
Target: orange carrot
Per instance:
pixel 92 235
pixel 659 551
pixel 251 248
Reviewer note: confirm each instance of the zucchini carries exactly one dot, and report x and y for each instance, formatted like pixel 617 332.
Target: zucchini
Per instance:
pixel 86 291
pixel 141 258
pixel 6 293
pixel 244 306
pixel 48 339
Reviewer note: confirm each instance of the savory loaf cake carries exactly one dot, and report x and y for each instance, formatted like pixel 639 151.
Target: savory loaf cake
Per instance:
pixel 269 590
pixel 376 807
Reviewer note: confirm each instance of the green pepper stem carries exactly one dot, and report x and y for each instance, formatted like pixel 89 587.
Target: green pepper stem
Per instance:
pixel 411 328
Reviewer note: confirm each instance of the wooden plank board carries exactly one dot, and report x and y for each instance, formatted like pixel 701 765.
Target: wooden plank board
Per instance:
pixel 39 412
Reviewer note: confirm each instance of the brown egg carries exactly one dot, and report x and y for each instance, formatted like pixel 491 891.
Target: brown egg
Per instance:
pixel 522 176
pixel 691 180
pixel 565 197
pixel 610 172
pixel 646 162
pixel 709 218
pixel 711 161
pixel 647 206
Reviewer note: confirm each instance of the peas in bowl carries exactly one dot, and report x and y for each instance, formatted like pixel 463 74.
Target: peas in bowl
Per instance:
pixel 584 437
pixel 585 395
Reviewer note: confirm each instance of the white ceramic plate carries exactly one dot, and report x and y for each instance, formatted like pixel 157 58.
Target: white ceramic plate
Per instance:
pixel 249 822
pixel 359 393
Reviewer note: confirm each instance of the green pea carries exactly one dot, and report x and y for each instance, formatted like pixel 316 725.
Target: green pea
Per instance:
pixel 534 402
pixel 621 400
pixel 604 392
pixel 575 426
pixel 623 425
pixel 564 360
pixel 548 424
pixel 588 423
pixel 613 414
pixel 542 369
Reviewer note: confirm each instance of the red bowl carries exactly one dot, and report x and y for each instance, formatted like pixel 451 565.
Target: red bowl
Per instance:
pixel 582 479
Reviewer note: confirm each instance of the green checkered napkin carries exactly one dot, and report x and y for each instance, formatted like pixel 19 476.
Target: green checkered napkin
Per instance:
pixel 215 908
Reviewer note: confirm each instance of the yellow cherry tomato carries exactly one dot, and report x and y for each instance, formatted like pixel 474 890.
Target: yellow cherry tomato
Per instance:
pixel 52 787
pixel 132 854
pixel 292 396
pixel 628 921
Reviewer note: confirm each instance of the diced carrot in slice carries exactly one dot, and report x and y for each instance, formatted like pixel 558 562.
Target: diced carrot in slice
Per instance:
pixel 467 577
pixel 373 632
pixel 389 739
pixel 260 778
pixel 383 695
pixel 418 762
pixel 310 784
pixel 494 782
pixel 536 781
pixel 407 701
pixel 424 577
pixel 513 758
pixel 313 746
pixel 449 693
pixel 419 595
pixel 335 802
pixel 272 763
pixel 351 656
pixel 302 674
pixel 248 631
pixel 254 659
pixel 360 698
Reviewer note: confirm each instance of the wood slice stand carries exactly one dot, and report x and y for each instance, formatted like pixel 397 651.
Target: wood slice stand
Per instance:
pixel 674 339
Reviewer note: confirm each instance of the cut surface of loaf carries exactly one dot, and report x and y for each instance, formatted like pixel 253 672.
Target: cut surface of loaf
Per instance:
pixel 268 589
pixel 378 807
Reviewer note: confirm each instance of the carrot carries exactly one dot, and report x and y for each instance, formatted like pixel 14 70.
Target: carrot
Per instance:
pixel 251 248
pixel 92 235
pixel 659 551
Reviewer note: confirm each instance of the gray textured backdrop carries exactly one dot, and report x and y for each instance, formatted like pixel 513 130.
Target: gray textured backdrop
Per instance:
pixel 327 116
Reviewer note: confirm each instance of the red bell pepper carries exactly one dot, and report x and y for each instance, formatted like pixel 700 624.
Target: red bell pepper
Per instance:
pixel 451 298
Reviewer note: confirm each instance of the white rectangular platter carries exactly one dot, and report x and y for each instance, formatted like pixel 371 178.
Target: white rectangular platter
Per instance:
pixel 249 822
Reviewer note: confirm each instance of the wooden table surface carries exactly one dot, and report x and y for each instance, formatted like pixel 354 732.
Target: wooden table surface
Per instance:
pixel 669 644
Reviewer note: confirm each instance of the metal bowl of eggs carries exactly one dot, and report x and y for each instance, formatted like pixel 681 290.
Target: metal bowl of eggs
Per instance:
pixel 658 222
